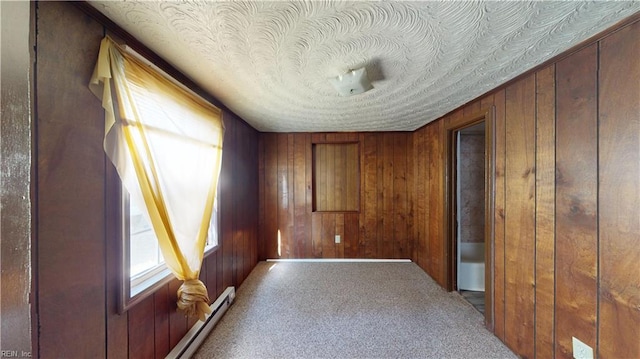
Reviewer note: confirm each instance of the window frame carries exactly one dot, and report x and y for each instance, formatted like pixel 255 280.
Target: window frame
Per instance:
pixel 155 278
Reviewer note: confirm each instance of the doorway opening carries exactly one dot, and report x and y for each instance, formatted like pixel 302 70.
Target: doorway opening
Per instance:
pixel 469 210
pixel 470 213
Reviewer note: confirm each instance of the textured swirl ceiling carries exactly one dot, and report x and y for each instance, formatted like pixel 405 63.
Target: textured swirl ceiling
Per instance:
pixel 269 61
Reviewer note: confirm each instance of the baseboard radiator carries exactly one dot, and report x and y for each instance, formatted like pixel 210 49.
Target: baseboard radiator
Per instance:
pixel 198 333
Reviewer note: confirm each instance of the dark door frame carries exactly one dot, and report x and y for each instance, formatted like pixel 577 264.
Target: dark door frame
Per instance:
pixel 488 117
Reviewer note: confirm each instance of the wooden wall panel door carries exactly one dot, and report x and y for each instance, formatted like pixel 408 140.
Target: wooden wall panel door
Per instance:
pixel 499 216
pixel 619 193
pixel 545 212
pixel 576 200
pixel 520 216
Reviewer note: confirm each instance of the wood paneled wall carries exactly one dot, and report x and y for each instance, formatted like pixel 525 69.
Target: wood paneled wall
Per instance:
pixel 567 184
pixel 336 177
pixel 76 275
pixel 383 227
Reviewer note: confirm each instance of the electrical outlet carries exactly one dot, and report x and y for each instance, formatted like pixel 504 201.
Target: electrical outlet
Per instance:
pixel 337 238
pixel 581 350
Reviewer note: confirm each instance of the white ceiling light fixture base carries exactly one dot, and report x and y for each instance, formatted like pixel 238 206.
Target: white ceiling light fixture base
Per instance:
pixel 352 83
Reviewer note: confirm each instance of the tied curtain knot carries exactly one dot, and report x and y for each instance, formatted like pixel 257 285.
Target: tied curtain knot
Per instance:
pixel 193 299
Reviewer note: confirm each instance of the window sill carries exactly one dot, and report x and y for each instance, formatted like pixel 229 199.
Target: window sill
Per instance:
pixel 141 291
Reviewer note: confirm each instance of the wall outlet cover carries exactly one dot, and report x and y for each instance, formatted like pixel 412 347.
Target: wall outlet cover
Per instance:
pixel 581 350
pixel 337 238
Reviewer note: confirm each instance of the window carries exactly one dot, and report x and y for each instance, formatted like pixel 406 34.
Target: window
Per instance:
pixel 336 177
pixel 165 143
pixel 146 263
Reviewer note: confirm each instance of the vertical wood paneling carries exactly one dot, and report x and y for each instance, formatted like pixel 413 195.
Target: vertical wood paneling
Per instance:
pixel 370 200
pixel 320 177
pixel 262 200
pixel 141 341
pixel 161 321
pixel 329 176
pixel 619 191
pixel 236 222
pixel 400 205
pixel 271 195
pixel 545 212
pixel 210 266
pixel 520 216
pixel 410 188
pixel 339 230
pixel 309 252
pixel 177 320
pixel 227 204
pixel 327 235
pixel 316 234
pixel 421 179
pixel 290 197
pixel 576 201
pixel 499 216
pixel 436 238
pixel 70 183
pixel 301 227
pixel 388 239
pixel 283 195
pixel 339 178
pixel 352 179
pixel 351 235
pixel 380 199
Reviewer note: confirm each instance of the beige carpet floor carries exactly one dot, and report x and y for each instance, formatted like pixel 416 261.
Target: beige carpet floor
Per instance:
pixel 348 310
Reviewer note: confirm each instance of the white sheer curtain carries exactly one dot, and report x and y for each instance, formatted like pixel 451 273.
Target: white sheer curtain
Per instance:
pixel 166 145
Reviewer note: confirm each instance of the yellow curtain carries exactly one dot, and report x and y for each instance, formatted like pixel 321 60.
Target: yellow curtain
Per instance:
pixel 166 145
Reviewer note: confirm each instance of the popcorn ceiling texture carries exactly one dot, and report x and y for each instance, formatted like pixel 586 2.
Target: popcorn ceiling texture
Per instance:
pixel 269 61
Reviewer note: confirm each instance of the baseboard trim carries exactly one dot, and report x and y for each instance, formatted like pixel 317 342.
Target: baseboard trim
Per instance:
pixel 199 332
pixel 341 260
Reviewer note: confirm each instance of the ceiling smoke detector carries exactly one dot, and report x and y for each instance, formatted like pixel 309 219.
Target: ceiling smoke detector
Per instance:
pixel 352 83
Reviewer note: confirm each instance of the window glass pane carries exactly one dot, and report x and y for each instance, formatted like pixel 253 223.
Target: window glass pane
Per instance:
pixel 143 246
pixel 144 251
